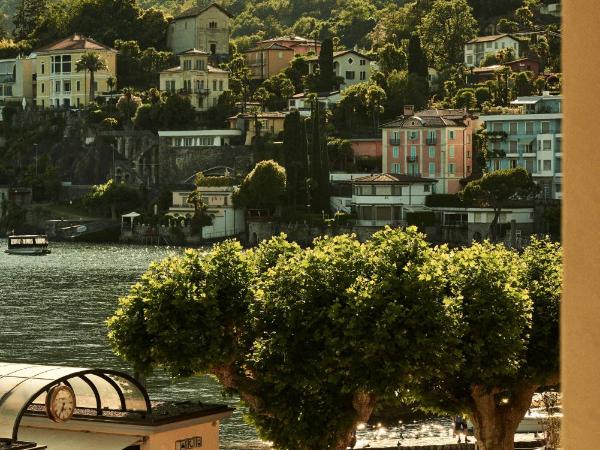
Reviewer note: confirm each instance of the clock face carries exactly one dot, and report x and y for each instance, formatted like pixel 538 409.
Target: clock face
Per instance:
pixel 60 403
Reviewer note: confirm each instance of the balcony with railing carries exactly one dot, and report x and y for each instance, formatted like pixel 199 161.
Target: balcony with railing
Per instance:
pixel 431 141
pixel 412 158
pixel 394 141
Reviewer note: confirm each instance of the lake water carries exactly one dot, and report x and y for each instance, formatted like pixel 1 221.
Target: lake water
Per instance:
pixel 53 309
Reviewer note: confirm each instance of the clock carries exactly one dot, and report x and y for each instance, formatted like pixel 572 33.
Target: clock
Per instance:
pixel 60 403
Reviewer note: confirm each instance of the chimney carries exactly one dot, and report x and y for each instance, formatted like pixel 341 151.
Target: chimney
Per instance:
pixel 409 110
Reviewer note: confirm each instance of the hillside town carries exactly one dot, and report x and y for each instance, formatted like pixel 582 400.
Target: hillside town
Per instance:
pixel 396 138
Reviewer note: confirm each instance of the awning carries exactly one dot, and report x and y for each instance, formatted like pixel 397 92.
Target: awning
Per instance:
pixel 77 440
pixel 524 102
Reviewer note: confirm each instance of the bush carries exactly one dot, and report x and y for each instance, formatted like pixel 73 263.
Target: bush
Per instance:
pixel 450 200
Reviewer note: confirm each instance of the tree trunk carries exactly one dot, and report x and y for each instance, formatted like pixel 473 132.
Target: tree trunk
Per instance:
pixel 494 225
pixel 91 85
pixel 495 423
pixel 364 403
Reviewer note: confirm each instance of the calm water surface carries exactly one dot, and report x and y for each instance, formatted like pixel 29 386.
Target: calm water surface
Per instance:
pixel 53 309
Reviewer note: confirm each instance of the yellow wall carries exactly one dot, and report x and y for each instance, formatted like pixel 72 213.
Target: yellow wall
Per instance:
pixel 44 96
pixel 166 440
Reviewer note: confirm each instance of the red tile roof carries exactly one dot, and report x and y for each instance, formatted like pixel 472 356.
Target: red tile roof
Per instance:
pixel 74 42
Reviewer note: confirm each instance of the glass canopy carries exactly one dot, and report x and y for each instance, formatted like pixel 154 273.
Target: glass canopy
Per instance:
pixel 23 385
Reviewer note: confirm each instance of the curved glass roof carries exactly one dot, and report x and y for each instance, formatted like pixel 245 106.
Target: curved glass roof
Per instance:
pixel 23 385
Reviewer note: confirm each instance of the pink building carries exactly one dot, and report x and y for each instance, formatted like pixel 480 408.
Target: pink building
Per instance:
pixel 435 144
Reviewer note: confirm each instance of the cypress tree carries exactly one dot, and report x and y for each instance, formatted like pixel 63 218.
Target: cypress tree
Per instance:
pixel 295 158
pixel 318 161
pixel 417 62
pixel 326 76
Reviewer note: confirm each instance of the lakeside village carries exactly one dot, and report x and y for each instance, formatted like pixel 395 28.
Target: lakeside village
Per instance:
pixel 380 138
pixel 445 115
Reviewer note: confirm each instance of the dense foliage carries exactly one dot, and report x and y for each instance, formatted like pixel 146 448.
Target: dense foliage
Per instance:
pixel 312 340
pixel 263 188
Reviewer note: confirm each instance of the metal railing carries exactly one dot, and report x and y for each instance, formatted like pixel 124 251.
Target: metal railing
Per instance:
pixel 412 158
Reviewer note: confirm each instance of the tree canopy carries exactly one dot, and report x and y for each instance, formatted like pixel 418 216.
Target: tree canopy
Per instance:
pixel 263 188
pixel 313 339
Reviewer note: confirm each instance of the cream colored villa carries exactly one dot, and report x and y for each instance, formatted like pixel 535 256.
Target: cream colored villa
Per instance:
pixel 205 28
pixel 195 78
pixel 57 83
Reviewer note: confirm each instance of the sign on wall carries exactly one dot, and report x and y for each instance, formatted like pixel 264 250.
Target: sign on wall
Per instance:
pixel 189 443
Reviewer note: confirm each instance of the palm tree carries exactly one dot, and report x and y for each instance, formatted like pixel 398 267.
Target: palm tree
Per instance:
pixel 91 62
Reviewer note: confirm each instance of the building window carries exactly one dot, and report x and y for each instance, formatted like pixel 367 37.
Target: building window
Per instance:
pixel 469 59
pixel 187 64
pixel 395 152
pixel 67 87
pixel 43 87
pixel 78 84
pixel 350 75
pixel 513 128
pixel 451 169
pixel 413 151
pixel 558 188
pixel 431 168
pixel 61 64
pixel 220 85
pixel 413 135
pixel 170 86
pixel 468 153
pixel 497 126
pixel 547 165
pixel 212 25
pixel 450 135
pixel 213 48
pixel 396 168
pixel 187 85
pixel 451 151
pixel 528 127
pixel 426 188
pixel 363 75
pixel 214 85
pixel 57 87
pixel 547 144
pixel 199 65
pixel 43 68
pixel 363 62
pixel 468 169
pixel 512 147
pixel 545 127
pixel 432 152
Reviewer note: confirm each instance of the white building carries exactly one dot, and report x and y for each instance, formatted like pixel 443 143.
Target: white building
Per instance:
pixel 302 102
pixel 226 219
pixel 205 28
pixel 477 49
pixel 16 80
pixel 350 65
pixel 384 199
pixel 197 138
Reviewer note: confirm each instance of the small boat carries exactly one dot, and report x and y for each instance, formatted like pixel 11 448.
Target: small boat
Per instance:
pixel 30 244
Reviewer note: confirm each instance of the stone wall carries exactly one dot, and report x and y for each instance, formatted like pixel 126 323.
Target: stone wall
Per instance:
pixel 178 164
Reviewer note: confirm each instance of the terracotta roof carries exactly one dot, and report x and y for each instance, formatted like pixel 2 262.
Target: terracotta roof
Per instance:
pixel 273 46
pixel 342 53
pixel 437 118
pixel 74 42
pixel 388 178
pixel 487 68
pixel 197 10
pixel 194 51
pixel 295 39
pixel 491 38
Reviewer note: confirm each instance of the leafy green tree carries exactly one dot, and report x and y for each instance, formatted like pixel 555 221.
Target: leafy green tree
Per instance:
pixel 417 62
pixel 12 217
pixel 351 21
pixel 113 197
pixel 263 188
pixel 391 58
pixel 278 88
pixel 375 100
pixel 465 98
pixel 28 18
pixel 128 104
pixel 177 113
pixel 326 74
pixel 496 188
pixel 297 72
pixel 522 84
pixel 507 26
pixel 444 31
pixel 139 68
pixel 201 218
pixel 295 158
pixel 91 62
pixel 482 95
pixel 502 93
pixel 516 300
